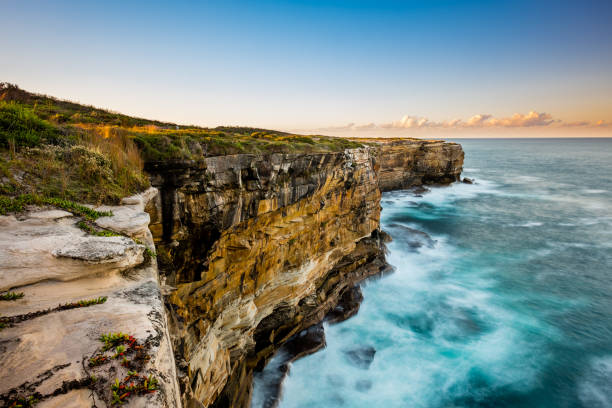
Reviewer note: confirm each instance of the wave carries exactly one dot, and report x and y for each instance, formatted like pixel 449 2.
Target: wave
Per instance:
pixel 594 389
pixel 528 224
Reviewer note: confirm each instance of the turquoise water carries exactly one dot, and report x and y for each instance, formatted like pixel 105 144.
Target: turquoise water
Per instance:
pixel 511 305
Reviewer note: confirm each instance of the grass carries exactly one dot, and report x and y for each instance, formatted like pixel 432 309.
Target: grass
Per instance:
pixel 41 153
pixel 156 140
pixel 68 151
pixel 84 303
pixel 87 227
pixel 112 340
pixel 19 203
pixel 11 296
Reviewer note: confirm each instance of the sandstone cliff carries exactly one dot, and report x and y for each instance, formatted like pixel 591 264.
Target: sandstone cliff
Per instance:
pixel 413 162
pixel 251 249
pixel 46 349
pixel 260 247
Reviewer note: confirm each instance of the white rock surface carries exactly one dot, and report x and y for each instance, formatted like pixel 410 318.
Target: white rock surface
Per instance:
pixel 47 257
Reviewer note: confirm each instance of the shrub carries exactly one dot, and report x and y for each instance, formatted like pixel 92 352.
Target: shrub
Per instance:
pixel 20 126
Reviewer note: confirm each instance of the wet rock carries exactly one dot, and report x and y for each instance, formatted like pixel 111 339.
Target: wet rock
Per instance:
pixel 414 238
pixel 347 306
pixel 361 357
pixel 306 342
pixel 467 180
pixel 419 191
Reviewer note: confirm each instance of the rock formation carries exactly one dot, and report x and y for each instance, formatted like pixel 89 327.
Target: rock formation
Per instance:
pixel 261 247
pixel 252 250
pixel 45 349
pixel 412 162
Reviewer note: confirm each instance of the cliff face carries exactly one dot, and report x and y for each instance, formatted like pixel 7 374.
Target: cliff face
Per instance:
pixel 278 239
pixel 252 249
pixel 259 248
pixel 411 162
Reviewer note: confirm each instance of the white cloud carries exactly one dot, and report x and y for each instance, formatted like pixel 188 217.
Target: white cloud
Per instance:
pixel 482 120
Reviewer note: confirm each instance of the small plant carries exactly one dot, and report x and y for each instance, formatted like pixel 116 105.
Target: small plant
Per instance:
pixel 119 351
pixel 18 203
pixel 150 384
pixel 150 253
pixel 117 399
pixel 84 303
pixel 11 296
pixel 97 360
pixel 111 340
pixel 97 232
pixel 23 402
pixel 133 384
pixel 116 385
pixel 78 209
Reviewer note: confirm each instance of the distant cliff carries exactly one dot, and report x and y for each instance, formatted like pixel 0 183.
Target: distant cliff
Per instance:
pixel 412 162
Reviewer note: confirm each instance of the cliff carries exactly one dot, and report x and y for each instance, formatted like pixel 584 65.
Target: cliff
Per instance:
pixel 73 287
pixel 252 249
pixel 413 162
pixel 260 247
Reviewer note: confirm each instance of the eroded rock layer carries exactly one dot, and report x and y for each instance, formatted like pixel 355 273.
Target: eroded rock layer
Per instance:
pixel 413 162
pixel 102 284
pixel 253 250
pixel 260 247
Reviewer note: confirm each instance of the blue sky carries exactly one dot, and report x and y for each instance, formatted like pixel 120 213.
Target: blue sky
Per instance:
pixel 380 65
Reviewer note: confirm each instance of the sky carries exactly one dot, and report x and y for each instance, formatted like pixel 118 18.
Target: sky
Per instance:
pixel 367 68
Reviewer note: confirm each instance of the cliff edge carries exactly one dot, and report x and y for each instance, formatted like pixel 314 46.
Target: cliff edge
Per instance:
pixel 248 239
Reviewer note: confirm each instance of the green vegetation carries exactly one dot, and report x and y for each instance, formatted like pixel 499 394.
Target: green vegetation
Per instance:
pixel 150 253
pixel 11 296
pixel 84 303
pixel 43 154
pixel 132 384
pixel 133 357
pixel 22 402
pixel 195 143
pixel 60 149
pixel 91 230
pixel 18 203
pixel 112 340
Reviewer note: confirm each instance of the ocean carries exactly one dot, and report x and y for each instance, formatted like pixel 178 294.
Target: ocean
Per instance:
pixel 501 295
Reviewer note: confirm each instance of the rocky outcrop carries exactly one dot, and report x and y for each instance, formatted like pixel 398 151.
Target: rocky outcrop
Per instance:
pixel 406 163
pixel 45 348
pixel 253 252
pixel 258 248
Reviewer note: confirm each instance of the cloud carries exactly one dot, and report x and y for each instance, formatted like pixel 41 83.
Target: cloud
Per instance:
pixel 518 120
pixel 477 120
pixel 481 120
pixel 408 122
pixel 579 123
pixel 367 126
